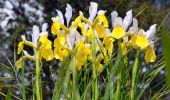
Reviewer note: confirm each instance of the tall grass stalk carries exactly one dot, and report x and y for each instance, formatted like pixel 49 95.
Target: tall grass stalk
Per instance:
pixel 134 74
pixel 119 76
pixel 23 80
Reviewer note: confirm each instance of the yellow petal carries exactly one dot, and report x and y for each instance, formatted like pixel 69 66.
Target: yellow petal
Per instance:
pixel 89 34
pixel 150 55
pixel 89 54
pixel 80 62
pixel 81 55
pixel 55 28
pixel 142 42
pixel 108 42
pixel 132 41
pixel 118 32
pixel 103 19
pixel 82 27
pixel 60 53
pixel 45 43
pixel 77 19
pixel 47 54
pixel 124 48
pixel 100 30
pixel 20 47
pixel 99 67
pixel 59 41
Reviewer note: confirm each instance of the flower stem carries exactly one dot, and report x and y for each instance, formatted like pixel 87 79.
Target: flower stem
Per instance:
pixel 37 80
pixel 134 73
pixel 120 72
pixel 95 83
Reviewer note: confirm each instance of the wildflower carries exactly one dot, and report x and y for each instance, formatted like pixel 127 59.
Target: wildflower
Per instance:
pixel 60 48
pixel 144 38
pixel 40 43
pixel 83 53
pixel 144 42
pixel 120 26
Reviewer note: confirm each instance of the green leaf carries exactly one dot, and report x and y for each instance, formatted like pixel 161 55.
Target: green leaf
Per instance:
pixel 6 68
pixel 9 93
pixel 166 49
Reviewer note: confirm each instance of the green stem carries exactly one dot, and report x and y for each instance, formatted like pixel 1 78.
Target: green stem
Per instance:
pixel 120 72
pixel 75 91
pixel 118 87
pixel 23 81
pixel 134 73
pixel 37 80
pixel 95 83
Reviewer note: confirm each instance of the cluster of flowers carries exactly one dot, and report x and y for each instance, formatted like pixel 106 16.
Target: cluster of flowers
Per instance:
pixel 78 35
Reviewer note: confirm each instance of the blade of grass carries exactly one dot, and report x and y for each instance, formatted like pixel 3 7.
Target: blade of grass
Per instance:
pixel 8 96
pixel 166 49
pixel 23 80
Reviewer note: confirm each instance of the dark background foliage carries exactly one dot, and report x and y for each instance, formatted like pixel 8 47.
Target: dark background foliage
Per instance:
pixel 18 16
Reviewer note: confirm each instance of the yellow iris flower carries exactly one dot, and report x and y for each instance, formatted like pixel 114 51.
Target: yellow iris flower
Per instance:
pixel 83 53
pixel 46 48
pixel 60 50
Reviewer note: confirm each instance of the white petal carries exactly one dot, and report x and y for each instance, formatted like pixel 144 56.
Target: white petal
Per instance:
pixel 108 32
pixel 35 34
pixel 134 27
pixel 68 13
pixel 78 36
pixel 125 39
pixel 101 12
pixel 55 19
pixel 71 39
pixel 114 15
pixel 44 27
pixel 141 32
pixel 152 43
pixel 135 22
pixel 92 11
pixel 23 38
pixel 60 16
pixel 26 53
pixel 118 22
pixel 45 34
pixel 127 20
pixel 151 32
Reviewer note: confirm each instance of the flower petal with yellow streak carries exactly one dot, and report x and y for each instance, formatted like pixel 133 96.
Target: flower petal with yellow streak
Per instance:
pixel 60 53
pixel 47 54
pixel 118 32
pixel 45 43
pixel 100 30
pixel 55 28
pixel 103 19
pixel 150 55
pixel 20 47
pixel 59 41
pixel 142 42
